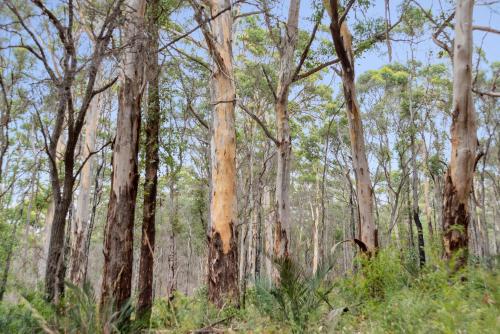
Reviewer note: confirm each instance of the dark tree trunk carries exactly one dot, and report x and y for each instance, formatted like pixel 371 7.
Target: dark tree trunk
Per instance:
pixel 145 299
pixel 56 248
pixel 223 274
pixel 420 236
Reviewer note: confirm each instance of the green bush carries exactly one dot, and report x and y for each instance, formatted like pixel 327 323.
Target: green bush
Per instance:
pixel 383 297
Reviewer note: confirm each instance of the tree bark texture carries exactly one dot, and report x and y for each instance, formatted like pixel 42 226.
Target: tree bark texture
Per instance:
pixel 342 42
pixel 118 235
pixel 285 78
pixel 459 177
pixel 81 221
pixel 152 128
pixel 222 238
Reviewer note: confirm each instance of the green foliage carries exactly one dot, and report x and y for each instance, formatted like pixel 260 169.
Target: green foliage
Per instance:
pixel 385 297
pixel 298 296
pixel 183 314
pixel 78 312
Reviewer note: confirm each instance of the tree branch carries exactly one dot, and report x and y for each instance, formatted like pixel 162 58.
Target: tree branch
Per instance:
pixel 487 29
pixel 269 83
pixel 303 57
pixel 260 122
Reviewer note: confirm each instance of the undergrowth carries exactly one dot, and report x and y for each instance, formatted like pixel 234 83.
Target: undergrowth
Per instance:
pixel 386 294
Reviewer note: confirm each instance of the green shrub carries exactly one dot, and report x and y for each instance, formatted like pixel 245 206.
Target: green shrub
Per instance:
pixel 297 298
pixel 383 297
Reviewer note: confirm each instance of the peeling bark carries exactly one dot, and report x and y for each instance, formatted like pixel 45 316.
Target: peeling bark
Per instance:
pixel 459 177
pixel 287 48
pixel 342 42
pixel 222 237
pixel 118 235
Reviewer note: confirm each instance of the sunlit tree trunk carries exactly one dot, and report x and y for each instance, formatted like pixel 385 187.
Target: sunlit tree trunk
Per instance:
pixel 459 177
pixel 223 247
pixel 152 127
pixel 118 235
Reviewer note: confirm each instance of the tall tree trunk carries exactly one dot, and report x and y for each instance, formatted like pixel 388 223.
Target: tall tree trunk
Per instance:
pixel 438 202
pixel 81 221
pixel 252 226
pixel 152 128
pixel 411 239
pixel 428 215
pixel 483 219
pixel 342 42
pixel 414 179
pixel 459 177
pixel 222 238
pixel 55 259
pixel 172 252
pixel 496 230
pixel 315 213
pixel 118 236
pixel 268 231
pixel 285 77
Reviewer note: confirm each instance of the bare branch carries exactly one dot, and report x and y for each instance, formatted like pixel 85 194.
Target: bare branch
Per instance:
pixel 197 116
pixel 260 122
pixel 346 11
pixel 487 29
pixel 90 155
pixel 105 87
pixel 269 83
pixel 303 57
pixel 491 94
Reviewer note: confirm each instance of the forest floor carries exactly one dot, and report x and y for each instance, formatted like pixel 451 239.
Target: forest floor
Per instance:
pixel 387 295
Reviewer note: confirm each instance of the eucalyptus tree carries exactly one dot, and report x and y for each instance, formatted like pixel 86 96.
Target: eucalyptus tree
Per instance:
pixel 223 252
pixel 460 173
pixel 342 40
pixel 152 128
pixel 118 235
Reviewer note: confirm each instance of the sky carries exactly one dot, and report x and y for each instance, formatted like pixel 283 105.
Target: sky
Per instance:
pixel 483 15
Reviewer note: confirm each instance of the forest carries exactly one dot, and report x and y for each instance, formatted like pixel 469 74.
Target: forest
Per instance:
pixel 249 166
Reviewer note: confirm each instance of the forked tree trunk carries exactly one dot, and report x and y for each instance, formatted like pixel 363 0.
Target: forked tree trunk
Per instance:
pixel 118 236
pixel 342 42
pixel 145 285
pixel 459 177
pixel 81 221
pixel 285 77
pixel 222 238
